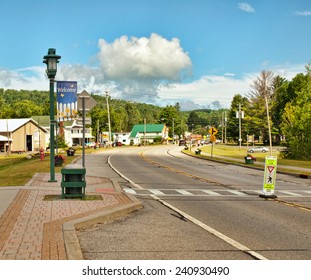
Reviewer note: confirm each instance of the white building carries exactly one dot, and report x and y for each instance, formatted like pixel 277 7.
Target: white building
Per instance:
pixel 122 137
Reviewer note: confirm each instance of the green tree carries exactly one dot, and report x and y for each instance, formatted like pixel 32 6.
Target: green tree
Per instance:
pixel 261 88
pixel 296 123
pixel 26 109
pixel 278 102
pixel 233 121
pixel 170 115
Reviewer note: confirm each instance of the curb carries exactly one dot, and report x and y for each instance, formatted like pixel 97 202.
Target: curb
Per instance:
pixel 72 244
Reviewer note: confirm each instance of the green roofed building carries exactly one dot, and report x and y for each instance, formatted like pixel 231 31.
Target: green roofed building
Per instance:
pixel 148 132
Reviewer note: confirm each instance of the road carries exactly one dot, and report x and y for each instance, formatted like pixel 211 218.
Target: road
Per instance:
pixel 199 209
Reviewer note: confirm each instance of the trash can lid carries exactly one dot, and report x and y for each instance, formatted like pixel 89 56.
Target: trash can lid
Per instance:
pixel 74 166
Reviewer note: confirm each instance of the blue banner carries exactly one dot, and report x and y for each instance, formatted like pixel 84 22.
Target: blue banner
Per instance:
pixel 67 104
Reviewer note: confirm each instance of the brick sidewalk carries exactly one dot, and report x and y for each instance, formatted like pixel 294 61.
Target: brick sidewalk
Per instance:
pixel 31 227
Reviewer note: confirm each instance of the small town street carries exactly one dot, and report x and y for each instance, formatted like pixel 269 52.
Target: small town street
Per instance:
pixel 200 209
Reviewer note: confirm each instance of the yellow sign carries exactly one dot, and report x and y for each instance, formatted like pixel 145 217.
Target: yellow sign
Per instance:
pixel 212 138
pixel 270 175
pixel 213 131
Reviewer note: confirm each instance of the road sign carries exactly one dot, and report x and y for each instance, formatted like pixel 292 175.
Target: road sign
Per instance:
pixel 88 121
pixel 213 131
pixel 212 138
pixel 89 101
pixel 269 176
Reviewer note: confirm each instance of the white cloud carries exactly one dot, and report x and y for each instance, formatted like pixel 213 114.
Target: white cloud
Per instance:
pixel 303 13
pixel 246 7
pixel 207 90
pixel 138 66
pixel 154 58
pixel 145 85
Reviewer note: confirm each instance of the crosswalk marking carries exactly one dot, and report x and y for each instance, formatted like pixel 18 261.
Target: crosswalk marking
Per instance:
pixel 129 190
pixel 157 192
pixel 237 193
pixel 214 192
pixel 291 193
pixel 184 192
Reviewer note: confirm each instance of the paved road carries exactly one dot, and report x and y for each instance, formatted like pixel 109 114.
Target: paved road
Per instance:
pixel 206 205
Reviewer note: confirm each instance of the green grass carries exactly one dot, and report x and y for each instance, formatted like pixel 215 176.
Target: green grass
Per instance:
pixel 17 170
pixel 235 152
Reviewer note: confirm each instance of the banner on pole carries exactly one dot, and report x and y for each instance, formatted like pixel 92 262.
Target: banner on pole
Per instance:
pixel 270 175
pixel 67 104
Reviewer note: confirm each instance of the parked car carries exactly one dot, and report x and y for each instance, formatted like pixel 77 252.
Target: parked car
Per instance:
pixel 117 144
pixel 258 150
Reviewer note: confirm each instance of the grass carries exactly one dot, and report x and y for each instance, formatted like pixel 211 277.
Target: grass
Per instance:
pixel 234 152
pixel 17 170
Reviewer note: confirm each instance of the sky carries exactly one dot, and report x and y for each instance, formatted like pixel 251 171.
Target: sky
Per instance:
pixel 199 53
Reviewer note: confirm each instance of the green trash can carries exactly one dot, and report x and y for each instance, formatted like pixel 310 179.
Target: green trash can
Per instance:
pixel 248 160
pixel 73 181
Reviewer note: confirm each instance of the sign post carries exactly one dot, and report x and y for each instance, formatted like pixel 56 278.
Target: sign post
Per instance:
pixel 87 102
pixel 213 131
pixel 269 177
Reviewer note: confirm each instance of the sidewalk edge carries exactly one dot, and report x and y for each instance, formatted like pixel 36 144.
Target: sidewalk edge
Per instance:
pixel 72 244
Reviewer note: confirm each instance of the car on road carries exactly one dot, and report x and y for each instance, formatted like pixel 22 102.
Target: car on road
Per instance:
pixel 258 150
pixel 182 142
pixel 117 144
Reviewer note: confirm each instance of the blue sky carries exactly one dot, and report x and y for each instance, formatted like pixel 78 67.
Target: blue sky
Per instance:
pixel 194 52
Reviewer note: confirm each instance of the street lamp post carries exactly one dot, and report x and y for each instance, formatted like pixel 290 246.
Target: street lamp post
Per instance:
pixel 51 60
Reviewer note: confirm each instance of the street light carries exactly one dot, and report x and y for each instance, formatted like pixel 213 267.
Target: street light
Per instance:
pixel 51 60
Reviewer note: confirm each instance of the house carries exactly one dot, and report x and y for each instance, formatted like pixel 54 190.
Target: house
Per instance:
pixel 74 134
pixel 21 135
pixel 142 133
pixel 122 137
pixel 71 130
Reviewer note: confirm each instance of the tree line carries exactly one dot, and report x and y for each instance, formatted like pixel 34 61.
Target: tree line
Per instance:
pixel 288 102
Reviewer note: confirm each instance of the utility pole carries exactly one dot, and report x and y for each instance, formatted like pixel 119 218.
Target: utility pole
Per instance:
pixel 173 133
pixel 222 127
pixel 109 124
pixel 240 132
pixel 145 130
pixel 225 127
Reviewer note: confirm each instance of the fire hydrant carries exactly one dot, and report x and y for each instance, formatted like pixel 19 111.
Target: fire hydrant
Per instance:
pixel 42 154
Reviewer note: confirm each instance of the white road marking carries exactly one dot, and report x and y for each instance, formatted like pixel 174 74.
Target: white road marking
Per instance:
pixel 129 190
pixel 290 193
pixel 184 192
pixel 223 237
pixel 211 192
pixel 156 192
pixel 237 192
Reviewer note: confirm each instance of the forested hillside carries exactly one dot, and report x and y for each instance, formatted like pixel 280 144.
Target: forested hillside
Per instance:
pixel 289 104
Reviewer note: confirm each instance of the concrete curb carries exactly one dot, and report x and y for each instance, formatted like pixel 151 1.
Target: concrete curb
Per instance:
pixel 71 240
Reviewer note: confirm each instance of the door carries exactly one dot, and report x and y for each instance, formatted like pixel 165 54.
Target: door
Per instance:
pixel 29 142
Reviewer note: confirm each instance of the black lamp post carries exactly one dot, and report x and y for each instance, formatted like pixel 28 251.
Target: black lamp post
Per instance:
pixel 51 60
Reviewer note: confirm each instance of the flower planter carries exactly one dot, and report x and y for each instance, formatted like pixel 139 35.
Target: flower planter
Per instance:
pixel 249 160
pixel 59 160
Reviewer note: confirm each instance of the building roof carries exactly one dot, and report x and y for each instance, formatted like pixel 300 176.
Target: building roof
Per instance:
pixel 45 121
pixel 3 138
pixel 148 128
pixel 11 125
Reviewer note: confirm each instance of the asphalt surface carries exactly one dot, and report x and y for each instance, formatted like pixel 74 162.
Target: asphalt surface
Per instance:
pixel 223 197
